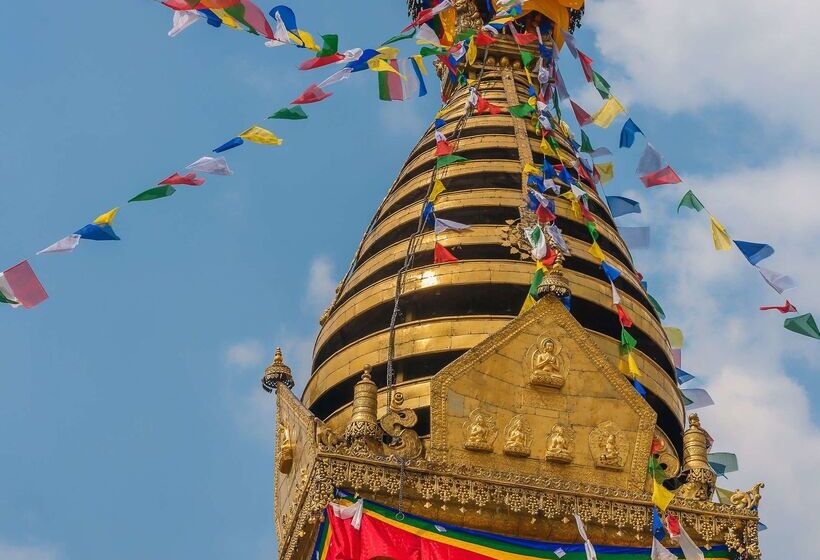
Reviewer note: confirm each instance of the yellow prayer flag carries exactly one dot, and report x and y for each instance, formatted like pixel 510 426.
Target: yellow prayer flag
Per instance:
pixel 305 38
pixel 472 52
pixel 564 128
pixel 448 25
pixel 388 53
pixel 438 188
pixel 107 218
pixel 502 20
pixel 606 114
pixel 529 77
pixel 420 63
pixel 381 65
pixel 606 171
pixel 595 251
pixel 661 496
pixel 259 135
pixel 547 149
pixel 528 303
pixel 631 366
pixel 576 211
pixel 719 235
pixel 225 18
pixel 530 168
pixel 675 336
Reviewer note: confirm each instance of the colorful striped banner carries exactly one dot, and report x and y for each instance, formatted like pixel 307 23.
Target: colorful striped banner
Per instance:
pixel 387 533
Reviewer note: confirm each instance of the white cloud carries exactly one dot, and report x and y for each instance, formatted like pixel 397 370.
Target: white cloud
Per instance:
pixel 321 286
pixel 685 55
pixel 246 354
pixel 27 552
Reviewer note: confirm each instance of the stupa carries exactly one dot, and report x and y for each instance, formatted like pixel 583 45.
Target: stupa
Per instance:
pixel 434 398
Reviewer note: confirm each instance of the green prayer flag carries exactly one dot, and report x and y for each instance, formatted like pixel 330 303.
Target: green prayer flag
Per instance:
pixel 4 299
pixel 601 85
pixel 330 45
pixel 427 51
pixel 400 37
pixel 657 306
pixel 522 111
pixel 628 342
pixel 444 161
pixel 293 114
pixel 154 193
pixel 466 34
pixel 593 230
pixel 586 145
pixel 553 143
pixel 556 105
pixel 803 324
pixel 689 200
pixel 527 58
pixel 536 281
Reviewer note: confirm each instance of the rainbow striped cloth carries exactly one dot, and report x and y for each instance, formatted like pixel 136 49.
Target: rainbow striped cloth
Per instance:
pixel 385 533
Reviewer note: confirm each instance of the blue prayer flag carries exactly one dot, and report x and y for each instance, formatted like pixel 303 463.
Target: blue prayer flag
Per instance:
pixel 639 387
pixel 532 201
pixel 211 17
pixel 549 170
pixel 428 213
pixel 536 181
pixel 565 176
pixel 611 272
pixel 232 143
pixel 439 123
pixel 628 133
pixel 97 232
pixel 754 252
pixel 567 301
pixel 683 376
pixel 621 206
pixel 658 530
pixel 361 63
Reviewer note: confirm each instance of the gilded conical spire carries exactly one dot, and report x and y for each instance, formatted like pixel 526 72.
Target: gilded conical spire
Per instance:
pixel 277 372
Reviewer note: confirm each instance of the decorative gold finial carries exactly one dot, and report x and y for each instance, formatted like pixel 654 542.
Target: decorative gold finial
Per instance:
pixel 363 432
pixel 277 373
pixel 554 282
pixel 700 478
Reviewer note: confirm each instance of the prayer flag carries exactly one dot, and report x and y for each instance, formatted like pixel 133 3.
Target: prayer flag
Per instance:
pixel 162 191
pixel 683 376
pixel 484 39
pixel 628 342
pixel 292 114
pixel 720 237
pixel 555 233
pixel 689 200
pixel 780 282
pixel 521 111
pixel 601 85
pixel 97 232
pixel 107 218
pixel 656 306
pixel 442 225
pixel 382 65
pixel 623 316
pixel 785 308
pixel 637 237
pixel 259 135
pixel 675 336
pixel 524 38
pixel 182 20
pixel 754 252
pixel 606 114
pixel 189 179
pixel 581 115
pixel 665 176
pixel 426 35
pixel 427 212
pixel 529 301
pixel 661 496
pixel 688 546
pixel 427 14
pixel 569 39
pixel 611 272
pixel 400 37
pixel 606 172
pixel 803 324
pixel 658 530
pixel 726 462
pixel 64 245
pixel 582 530
pixel 443 148
pixel 444 161
pixel 628 132
pixel 312 94
pixel 405 83
pixel 586 65
pixel 20 286
pixel 232 143
pixel 442 255
pixel 484 106
pixel 622 206
pixel 538 242
pixel 651 160
pixel 212 165
pixel 595 251
pixel 336 77
pixel 659 552
pixel 696 398
pixel 330 46
pixel 319 62
pixel 536 281
pixel 560 85
pixel 438 188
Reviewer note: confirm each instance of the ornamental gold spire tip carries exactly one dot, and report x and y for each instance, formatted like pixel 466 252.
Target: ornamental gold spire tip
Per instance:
pixel 277 372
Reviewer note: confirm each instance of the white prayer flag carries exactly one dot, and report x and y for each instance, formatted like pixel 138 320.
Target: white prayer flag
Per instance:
pixel 588 548
pixel 426 35
pixel 651 160
pixel 569 39
pixel 443 225
pixel 183 19
pixel 64 245
pixel 353 511
pixel 688 546
pixel 538 241
pixel 212 165
pixel 659 552
pixel 780 282
pixel 342 74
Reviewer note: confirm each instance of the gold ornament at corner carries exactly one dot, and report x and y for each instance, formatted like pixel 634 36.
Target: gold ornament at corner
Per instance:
pixel 277 372
pixel 518 437
pixel 363 434
pixel 608 446
pixel 560 444
pixel 327 439
pixel 284 449
pixel 479 431
pixel 699 476
pixel 749 499
pixel 397 423
pixel 549 364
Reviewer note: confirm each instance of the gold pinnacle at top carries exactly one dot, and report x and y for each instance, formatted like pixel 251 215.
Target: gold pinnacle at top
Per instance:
pixel 277 372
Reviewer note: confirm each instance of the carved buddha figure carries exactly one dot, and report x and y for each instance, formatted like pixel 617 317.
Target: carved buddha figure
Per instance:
pixel 608 445
pixel 519 437
pixel 284 455
pixel 548 367
pixel 479 431
pixel 611 455
pixel 560 444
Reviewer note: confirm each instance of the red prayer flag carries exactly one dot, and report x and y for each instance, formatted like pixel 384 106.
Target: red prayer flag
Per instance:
pixel 320 61
pixel 544 215
pixel 588 216
pixel 581 170
pixel 665 176
pixel 672 525
pixel 623 316
pixel 552 256
pixel 189 179
pixel 581 116
pixel 26 288
pixel 657 445
pixel 484 106
pixel 484 39
pixel 586 64
pixel 312 94
pixel 442 255
pixel 443 148
pixel 525 38
pixel 786 308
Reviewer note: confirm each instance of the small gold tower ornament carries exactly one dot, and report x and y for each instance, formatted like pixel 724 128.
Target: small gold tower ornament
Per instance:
pixel 554 282
pixel 363 433
pixel 277 373
pixel 700 478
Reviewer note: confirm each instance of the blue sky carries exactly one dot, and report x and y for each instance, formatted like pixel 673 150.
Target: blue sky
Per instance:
pixel 130 409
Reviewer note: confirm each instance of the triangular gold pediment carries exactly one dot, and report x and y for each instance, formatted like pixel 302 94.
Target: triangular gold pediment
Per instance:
pixel 540 393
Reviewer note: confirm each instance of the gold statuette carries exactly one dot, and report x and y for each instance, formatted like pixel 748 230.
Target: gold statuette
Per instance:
pixel 608 446
pixel 560 444
pixel 284 449
pixel 480 431
pixel 548 365
pixel 518 437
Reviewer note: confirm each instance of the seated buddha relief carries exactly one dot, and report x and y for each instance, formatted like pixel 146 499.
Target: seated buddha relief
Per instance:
pixel 479 431
pixel 548 364
pixel 560 444
pixel 608 446
pixel 518 437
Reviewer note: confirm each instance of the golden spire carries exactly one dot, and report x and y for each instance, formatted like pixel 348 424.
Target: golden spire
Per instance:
pixel 363 428
pixel 277 372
